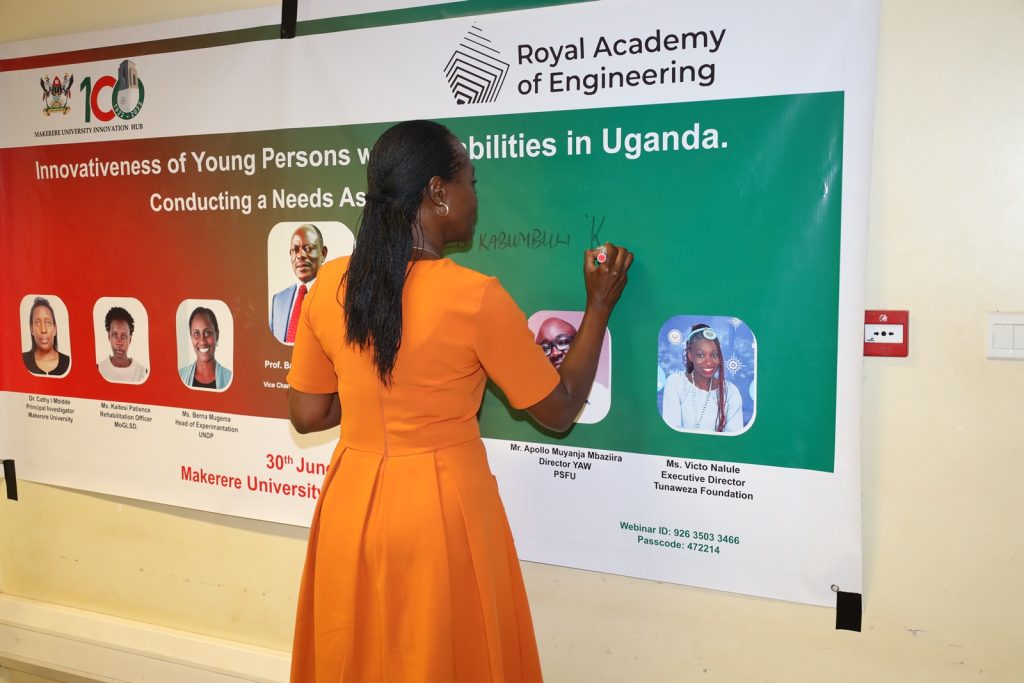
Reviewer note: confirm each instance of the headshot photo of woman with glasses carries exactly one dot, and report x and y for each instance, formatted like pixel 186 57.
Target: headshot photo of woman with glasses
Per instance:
pixel 698 397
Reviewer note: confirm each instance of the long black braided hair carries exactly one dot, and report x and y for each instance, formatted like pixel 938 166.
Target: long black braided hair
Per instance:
pixel 694 335
pixel 399 169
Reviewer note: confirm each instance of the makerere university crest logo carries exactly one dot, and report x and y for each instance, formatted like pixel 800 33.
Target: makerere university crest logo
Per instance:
pixel 476 70
pixel 56 94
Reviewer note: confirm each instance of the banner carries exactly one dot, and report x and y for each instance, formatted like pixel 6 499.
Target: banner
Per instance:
pixel 164 202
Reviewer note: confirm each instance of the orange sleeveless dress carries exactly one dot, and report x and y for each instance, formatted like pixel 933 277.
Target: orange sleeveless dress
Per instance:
pixel 411 573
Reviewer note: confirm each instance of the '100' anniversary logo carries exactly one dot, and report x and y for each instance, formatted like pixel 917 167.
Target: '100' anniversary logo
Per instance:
pixel 126 94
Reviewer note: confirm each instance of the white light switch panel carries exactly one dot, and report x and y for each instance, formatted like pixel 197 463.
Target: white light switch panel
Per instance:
pixel 1005 336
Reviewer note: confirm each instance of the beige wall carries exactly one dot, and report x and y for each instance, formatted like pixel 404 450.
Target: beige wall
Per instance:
pixel 942 464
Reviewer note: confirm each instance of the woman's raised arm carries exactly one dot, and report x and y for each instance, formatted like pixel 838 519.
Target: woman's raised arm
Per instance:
pixel 604 282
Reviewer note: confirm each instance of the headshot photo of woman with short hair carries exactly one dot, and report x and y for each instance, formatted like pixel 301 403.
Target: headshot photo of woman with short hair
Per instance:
pixel 122 340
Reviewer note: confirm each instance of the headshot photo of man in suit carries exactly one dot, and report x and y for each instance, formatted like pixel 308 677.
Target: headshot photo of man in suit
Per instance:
pixel 307 252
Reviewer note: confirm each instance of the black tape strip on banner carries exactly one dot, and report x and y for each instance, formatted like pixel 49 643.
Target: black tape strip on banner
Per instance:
pixel 289 15
pixel 848 611
pixel 12 481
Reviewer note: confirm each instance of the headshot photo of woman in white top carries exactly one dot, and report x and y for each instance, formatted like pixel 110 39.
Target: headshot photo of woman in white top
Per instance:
pixel 706 375
pixel 122 340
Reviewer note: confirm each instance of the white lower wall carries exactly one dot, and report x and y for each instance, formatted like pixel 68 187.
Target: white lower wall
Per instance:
pixel 76 645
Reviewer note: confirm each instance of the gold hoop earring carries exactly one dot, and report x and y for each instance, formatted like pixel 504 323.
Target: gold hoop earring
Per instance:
pixel 441 209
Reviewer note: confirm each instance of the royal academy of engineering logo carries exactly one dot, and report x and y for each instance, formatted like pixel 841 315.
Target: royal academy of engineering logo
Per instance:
pixel 476 70
pixel 56 93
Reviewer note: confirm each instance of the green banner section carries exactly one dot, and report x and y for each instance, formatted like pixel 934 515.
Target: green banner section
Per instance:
pixel 732 208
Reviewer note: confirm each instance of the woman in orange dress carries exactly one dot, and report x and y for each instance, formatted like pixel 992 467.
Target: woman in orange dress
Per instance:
pixel 411 573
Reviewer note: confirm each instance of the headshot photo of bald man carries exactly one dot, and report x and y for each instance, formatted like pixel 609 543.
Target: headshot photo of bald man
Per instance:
pixel 295 253
pixel 554 332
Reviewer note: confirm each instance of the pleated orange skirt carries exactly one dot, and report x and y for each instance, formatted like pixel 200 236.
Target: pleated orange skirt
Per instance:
pixel 412 575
